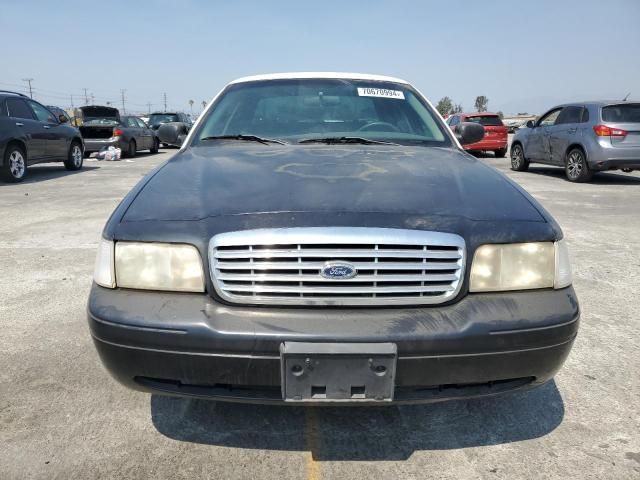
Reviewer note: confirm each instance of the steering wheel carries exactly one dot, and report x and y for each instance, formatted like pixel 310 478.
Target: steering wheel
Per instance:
pixel 372 125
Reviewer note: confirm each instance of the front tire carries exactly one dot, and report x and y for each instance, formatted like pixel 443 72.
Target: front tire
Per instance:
pixel 500 153
pixel 518 162
pixel 576 167
pixel 156 146
pixel 75 158
pixel 14 167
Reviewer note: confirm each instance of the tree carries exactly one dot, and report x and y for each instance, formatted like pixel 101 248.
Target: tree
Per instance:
pixel 204 104
pixel 444 106
pixel 191 102
pixel 457 108
pixel 481 103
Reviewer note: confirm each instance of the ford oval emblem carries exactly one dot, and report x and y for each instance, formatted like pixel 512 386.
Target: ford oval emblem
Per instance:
pixel 338 270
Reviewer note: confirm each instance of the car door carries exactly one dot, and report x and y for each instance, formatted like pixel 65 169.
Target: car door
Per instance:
pixel 145 133
pixel 134 131
pixel 55 142
pixel 31 129
pixel 564 132
pixel 537 148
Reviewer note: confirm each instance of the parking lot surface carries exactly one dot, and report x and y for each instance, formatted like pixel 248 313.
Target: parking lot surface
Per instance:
pixel 62 416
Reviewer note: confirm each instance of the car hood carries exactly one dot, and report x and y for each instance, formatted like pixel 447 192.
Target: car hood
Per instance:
pixel 235 178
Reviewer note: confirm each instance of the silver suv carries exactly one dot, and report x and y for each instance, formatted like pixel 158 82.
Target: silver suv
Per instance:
pixel 583 138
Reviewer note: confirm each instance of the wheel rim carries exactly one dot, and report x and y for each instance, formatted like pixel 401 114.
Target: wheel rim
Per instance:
pixel 76 155
pixel 575 164
pixel 16 164
pixel 516 157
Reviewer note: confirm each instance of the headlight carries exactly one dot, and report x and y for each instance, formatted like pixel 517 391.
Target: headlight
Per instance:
pixel 520 266
pixel 150 266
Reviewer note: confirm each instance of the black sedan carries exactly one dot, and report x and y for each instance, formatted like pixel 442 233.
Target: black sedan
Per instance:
pixel 30 133
pixel 323 239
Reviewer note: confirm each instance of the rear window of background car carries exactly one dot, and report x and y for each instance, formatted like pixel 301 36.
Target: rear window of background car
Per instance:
pixel 486 120
pixel 629 113
pixel 18 108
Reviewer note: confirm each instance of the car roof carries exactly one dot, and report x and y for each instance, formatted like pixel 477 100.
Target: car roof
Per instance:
pixel 478 114
pixel 6 93
pixel 318 75
pixel 164 113
pixel 600 103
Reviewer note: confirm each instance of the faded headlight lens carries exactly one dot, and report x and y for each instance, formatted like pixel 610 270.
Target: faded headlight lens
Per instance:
pixel 516 266
pixel 158 266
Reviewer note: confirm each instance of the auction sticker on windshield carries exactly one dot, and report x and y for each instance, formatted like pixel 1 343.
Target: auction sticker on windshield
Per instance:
pixel 380 92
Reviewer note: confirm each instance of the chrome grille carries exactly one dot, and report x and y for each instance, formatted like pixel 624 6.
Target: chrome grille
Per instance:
pixel 282 266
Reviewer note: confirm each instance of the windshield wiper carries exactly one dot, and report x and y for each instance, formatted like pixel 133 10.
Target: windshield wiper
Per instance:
pixel 338 140
pixel 247 138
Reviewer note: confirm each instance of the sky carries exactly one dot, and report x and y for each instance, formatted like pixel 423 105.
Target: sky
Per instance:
pixel 525 56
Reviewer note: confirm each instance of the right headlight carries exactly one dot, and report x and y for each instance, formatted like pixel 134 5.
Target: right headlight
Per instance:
pixel 520 266
pixel 149 266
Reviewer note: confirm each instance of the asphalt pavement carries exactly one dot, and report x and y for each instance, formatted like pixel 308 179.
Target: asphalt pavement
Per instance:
pixel 62 416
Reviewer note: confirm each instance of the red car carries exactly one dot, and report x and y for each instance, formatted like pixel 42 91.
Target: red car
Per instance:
pixel 495 133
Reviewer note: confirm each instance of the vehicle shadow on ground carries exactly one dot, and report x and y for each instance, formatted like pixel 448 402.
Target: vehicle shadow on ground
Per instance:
pixel 43 173
pixel 362 434
pixel 600 178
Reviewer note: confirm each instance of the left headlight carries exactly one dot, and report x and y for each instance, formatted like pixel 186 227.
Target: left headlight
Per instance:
pixel 149 266
pixel 520 266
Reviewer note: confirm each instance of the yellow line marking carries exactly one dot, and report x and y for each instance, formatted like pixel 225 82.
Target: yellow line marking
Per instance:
pixel 311 442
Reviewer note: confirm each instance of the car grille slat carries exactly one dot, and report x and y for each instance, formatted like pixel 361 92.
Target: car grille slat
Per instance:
pixel 283 266
pixel 309 253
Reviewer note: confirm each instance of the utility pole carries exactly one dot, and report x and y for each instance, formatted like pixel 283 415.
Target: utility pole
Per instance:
pixel 149 108
pixel 29 80
pixel 122 90
pixel 86 98
pixel 71 102
pixel 165 101
pixel 93 98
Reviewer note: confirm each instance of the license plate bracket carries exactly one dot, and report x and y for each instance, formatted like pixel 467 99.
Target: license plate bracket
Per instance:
pixel 338 372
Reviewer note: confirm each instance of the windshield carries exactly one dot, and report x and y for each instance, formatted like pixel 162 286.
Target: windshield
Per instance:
pixel 163 118
pixel 486 120
pixel 298 110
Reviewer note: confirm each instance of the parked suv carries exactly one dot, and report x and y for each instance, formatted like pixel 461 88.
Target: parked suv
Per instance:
pixel 583 138
pixel 495 136
pixel 180 124
pixel 30 133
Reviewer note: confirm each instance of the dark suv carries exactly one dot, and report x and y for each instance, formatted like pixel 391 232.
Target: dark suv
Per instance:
pixel 180 125
pixel 30 133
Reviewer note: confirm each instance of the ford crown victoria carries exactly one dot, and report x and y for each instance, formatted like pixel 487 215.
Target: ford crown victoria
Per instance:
pixel 323 238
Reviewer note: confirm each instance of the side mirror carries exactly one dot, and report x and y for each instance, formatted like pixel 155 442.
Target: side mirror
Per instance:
pixel 62 118
pixel 530 124
pixel 469 132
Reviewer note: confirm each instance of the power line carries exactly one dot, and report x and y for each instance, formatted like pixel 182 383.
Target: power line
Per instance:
pixel 29 80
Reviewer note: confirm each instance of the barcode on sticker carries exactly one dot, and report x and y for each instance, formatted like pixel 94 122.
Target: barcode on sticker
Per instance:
pixel 380 92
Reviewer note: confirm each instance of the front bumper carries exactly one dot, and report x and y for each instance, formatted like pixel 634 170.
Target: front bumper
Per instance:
pixel 96 144
pixel 191 345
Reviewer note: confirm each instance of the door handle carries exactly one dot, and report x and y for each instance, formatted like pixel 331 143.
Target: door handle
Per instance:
pixel 18 124
pixel 46 126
